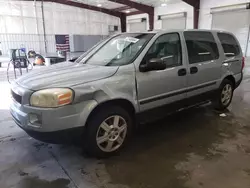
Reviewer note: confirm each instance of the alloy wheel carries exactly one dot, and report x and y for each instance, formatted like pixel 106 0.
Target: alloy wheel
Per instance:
pixel 226 94
pixel 111 133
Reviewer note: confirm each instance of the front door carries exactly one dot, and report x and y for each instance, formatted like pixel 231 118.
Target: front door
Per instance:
pixel 157 88
pixel 204 67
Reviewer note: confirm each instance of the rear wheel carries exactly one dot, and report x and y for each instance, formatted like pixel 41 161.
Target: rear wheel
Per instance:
pixel 107 131
pixel 225 95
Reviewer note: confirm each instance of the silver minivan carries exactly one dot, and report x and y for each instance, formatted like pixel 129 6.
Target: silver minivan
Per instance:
pixel 125 79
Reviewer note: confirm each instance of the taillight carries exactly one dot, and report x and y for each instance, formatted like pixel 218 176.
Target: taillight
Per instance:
pixel 243 62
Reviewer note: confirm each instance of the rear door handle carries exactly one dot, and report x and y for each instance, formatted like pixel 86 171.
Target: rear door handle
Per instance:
pixel 193 70
pixel 182 72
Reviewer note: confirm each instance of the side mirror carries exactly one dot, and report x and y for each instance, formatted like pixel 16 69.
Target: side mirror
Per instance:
pixel 73 59
pixel 153 64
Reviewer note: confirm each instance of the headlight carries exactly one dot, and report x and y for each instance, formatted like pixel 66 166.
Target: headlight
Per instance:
pixel 50 98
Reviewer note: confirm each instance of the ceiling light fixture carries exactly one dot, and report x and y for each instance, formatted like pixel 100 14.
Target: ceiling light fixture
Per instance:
pixel 99 5
pixel 164 4
pixel 127 11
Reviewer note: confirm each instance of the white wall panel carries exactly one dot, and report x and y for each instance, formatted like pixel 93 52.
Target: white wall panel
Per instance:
pixel 15 8
pixel 28 41
pixel 48 15
pixel 81 15
pixel 21 24
pixel 4 8
pixel 29 25
pixel 58 18
pixel 40 26
pixel 174 23
pixel 105 29
pixel 169 9
pixel 240 27
pixel 2 25
pixel 134 17
pixel 172 9
pixel 14 24
pixel 205 19
pixel 51 43
pixel 27 11
pixel 137 26
pixel 49 27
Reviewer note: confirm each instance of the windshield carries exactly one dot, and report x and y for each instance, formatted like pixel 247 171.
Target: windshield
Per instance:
pixel 120 50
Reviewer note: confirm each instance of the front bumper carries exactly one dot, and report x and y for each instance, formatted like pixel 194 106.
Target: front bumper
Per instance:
pixel 67 136
pixel 56 124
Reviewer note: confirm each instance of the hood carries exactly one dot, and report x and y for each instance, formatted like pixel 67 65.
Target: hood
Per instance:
pixel 64 75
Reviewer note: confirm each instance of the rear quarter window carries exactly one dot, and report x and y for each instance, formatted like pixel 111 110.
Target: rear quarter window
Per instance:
pixel 229 44
pixel 201 46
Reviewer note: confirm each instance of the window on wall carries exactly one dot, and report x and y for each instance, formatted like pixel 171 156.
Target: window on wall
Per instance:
pixel 201 46
pixel 229 44
pixel 168 48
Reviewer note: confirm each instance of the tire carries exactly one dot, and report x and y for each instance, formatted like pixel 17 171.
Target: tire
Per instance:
pixel 220 102
pixel 108 133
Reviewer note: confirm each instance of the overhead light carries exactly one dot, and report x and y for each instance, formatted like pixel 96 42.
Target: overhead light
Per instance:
pixel 99 5
pixel 127 11
pixel 164 4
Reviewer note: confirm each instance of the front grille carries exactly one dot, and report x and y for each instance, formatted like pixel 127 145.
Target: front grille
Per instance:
pixel 17 97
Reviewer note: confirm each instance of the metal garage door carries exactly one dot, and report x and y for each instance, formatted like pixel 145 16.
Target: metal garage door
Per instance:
pixel 235 21
pixel 174 21
pixel 137 25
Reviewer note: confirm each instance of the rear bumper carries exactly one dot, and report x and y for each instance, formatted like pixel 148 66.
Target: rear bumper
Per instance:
pixel 239 80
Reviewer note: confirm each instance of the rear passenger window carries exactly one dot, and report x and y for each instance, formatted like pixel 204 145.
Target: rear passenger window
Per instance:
pixel 229 44
pixel 201 46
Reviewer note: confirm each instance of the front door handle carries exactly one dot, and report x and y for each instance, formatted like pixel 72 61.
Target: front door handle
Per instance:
pixel 193 70
pixel 182 72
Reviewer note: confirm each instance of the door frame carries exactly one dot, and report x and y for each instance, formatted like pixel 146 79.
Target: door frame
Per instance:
pixel 139 60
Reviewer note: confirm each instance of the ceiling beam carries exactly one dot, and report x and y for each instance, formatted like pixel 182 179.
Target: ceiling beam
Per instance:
pixel 122 8
pixel 132 4
pixel 90 7
pixel 85 6
pixel 196 5
pixel 141 7
pixel 192 2
pixel 134 13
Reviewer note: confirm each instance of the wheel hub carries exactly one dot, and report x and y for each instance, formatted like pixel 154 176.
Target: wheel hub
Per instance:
pixel 111 133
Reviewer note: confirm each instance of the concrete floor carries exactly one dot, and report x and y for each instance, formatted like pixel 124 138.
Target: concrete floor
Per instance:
pixel 196 148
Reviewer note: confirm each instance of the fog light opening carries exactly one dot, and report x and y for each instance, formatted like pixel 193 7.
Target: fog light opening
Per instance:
pixel 35 119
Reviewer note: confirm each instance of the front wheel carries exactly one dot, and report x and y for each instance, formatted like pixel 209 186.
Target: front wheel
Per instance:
pixel 225 95
pixel 107 131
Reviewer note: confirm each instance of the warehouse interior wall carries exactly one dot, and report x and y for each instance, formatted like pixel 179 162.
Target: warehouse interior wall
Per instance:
pixel 205 18
pixel 137 17
pixel 21 21
pixel 21 24
pixel 172 9
pixel 177 7
pixel 232 19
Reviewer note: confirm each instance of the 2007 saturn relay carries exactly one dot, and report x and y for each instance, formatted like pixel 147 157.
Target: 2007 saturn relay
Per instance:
pixel 127 78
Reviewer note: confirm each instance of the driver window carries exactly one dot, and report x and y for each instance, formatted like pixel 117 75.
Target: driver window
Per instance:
pixel 168 48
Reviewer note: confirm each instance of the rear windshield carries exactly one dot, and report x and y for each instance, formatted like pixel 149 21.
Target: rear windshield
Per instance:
pixel 201 46
pixel 229 44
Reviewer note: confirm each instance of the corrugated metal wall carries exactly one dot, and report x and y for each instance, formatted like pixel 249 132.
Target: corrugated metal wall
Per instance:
pixel 28 41
pixel 21 24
